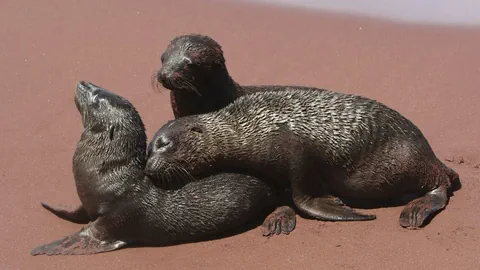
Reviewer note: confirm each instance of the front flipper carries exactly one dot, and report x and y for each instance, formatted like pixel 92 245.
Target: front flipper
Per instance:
pixel 418 211
pixel 78 215
pixel 306 180
pixel 282 220
pixel 328 208
pixel 86 241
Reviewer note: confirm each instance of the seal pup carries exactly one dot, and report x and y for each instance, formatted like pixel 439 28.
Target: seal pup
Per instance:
pixel 193 69
pixel 123 205
pixel 324 144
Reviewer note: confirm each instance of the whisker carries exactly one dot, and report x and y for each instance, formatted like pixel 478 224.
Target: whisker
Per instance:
pixel 186 178
pixel 161 179
pixel 189 177
pixel 193 88
pixel 182 82
pixel 183 179
pixel 158 177
pixel 171 177
pixel 156 85
pixel 178 177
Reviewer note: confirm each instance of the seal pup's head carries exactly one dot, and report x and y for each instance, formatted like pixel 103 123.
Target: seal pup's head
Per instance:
pixel 102 110
pixel 181 146
pixel 191 63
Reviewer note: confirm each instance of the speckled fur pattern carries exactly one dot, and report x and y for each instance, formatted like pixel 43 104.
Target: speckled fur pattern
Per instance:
pixel 318 142
pixel 124 207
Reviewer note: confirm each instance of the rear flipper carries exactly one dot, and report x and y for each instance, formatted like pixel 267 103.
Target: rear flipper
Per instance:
pixel 77 215
pixel 329 208
pixel 418 211
pixel 86 241
pixel 282 220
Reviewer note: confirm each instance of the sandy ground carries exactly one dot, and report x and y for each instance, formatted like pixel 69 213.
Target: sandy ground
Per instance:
pixel 430 74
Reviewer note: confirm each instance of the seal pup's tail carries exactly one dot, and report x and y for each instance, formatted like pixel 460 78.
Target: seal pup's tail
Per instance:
pixel 455 183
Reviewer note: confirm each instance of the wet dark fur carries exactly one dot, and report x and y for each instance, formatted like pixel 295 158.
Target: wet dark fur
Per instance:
pixel 321 143
pixel 193 68
pixel 121 203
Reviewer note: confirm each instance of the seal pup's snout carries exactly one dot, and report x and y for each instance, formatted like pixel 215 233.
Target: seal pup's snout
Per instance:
pixel 167 76
pixel 172 72
pixel 154 165
pixel 90 87
pixel 161 75
pixel 86 86
pixel 81 93
pixel 83 84
pixel 157 155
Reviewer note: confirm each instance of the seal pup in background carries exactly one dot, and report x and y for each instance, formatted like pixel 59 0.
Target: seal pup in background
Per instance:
pixel 122 204
pixel 323 144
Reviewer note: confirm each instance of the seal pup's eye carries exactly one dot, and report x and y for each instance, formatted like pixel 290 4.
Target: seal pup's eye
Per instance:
pixel 161 143
pixel 95 98
pixel 187 60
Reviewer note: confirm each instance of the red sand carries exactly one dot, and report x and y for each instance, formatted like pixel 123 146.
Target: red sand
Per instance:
pixel 430 74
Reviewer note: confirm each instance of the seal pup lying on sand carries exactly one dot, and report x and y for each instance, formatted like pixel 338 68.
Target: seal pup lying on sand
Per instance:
pixel 323 144
pixel 124 206
pixel 194 70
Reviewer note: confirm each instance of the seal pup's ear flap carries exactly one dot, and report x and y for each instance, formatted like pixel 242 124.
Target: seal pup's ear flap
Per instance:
pixel 86 241
pixel 97 128
pixel 111 132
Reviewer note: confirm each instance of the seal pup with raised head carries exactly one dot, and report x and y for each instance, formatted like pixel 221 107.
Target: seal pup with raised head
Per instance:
pixel 324 144
pixel 124 206
pixel 193 69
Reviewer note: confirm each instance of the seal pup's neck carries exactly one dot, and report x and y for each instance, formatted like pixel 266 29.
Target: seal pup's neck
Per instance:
pixel 102 155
